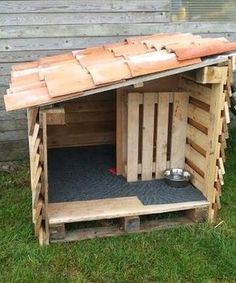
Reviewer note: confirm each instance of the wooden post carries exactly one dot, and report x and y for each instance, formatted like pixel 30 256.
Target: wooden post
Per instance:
pixel 217 99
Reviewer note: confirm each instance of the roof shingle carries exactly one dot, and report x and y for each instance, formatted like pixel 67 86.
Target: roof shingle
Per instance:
pixel 43 81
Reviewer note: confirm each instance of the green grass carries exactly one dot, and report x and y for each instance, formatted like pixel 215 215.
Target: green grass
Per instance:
pixel 189 254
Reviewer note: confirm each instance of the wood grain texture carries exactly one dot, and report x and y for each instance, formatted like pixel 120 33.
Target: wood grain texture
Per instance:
pixel 179 125
pixel 61 6
pixel 132 136
pixel 67 212
pixel 162 133
pixel 148 135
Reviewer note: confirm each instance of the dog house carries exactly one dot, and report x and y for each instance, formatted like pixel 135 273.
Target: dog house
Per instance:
pixel 104 124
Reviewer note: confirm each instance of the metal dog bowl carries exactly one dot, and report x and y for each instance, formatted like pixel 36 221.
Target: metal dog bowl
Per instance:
pixel 177 178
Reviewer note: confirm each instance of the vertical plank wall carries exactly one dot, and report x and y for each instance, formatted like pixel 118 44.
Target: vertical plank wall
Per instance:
pixel 33 28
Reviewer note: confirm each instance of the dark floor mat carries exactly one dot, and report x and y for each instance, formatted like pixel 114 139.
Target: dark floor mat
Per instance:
pixel 83 174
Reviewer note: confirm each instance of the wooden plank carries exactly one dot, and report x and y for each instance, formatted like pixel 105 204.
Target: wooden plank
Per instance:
pixel 196 90
pixel 79 30
pixel 198 115
pixel 196 180
pixel 119 134
pixel 197 136
pixel 133 136
pixel 80 117
pixel 45 174
pixel 23 56
pixel 211 75
pixel 32 115
pixel 217 100
pixel 107 137
pixel 81 18
pixel 148 135
pixel 35 134
pixel 162 133
pixel 146 226
pixel 179 124
pixel 60 6
pixel 13 135
pixel 67 212
pixel 36 177
pixel 226 111
pixel 195 157
pixel 13 125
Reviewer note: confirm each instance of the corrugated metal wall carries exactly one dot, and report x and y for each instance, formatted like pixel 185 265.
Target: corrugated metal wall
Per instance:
pixel 29 29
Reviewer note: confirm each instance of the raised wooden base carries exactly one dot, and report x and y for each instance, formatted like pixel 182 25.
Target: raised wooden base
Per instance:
pixel 112 217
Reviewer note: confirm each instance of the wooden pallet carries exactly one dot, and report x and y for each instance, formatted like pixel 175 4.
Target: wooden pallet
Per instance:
pixel 112 217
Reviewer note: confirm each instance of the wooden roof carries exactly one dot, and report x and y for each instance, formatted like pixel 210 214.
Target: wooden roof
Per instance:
pixel 62 77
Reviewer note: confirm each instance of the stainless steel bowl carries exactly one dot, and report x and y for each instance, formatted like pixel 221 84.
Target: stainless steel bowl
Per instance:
pixel 177 177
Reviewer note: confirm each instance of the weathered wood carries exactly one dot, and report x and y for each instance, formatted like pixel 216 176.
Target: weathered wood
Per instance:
pixel 111 231
pixel 60 6
pixel 162 133
pixel 57 231
pixel 131 224
pixel 81 18
pixel 179 124
pixel 13 135
pixel 198 214
pixel 119 133
pixel 211 75
pixel 43 122
pixel 216 103
pixel 195 157
pixel 68 212
pixel 132 136
pixel 148 135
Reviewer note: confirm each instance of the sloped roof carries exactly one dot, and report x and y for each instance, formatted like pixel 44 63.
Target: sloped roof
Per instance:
pixel 54 78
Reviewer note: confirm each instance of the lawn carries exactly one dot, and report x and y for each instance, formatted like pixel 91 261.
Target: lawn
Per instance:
pixel 189 254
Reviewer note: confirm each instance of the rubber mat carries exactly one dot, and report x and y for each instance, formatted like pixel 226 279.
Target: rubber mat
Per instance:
pixel 84 174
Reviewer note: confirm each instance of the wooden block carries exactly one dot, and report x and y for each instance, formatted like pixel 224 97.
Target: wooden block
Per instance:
pixel 198 214
pixel 133 136
pixel 148 134
pixel 211 75
pixel 57 231
pixel 141 84
pixel 162 133
pixel 56 116
pixel 226 110
pixel 131 224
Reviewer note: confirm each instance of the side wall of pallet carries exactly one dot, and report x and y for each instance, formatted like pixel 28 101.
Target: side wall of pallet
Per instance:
pixel 34 28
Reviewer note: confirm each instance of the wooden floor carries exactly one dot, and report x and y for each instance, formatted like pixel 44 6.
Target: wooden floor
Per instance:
pixel 77 211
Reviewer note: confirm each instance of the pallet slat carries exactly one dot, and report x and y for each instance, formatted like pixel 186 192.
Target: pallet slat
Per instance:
pixel 179 124
pixel 132 136
pixel 162 133
pixel 148 135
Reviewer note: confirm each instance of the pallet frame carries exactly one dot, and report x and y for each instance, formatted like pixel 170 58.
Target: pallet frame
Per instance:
pixel 200 116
